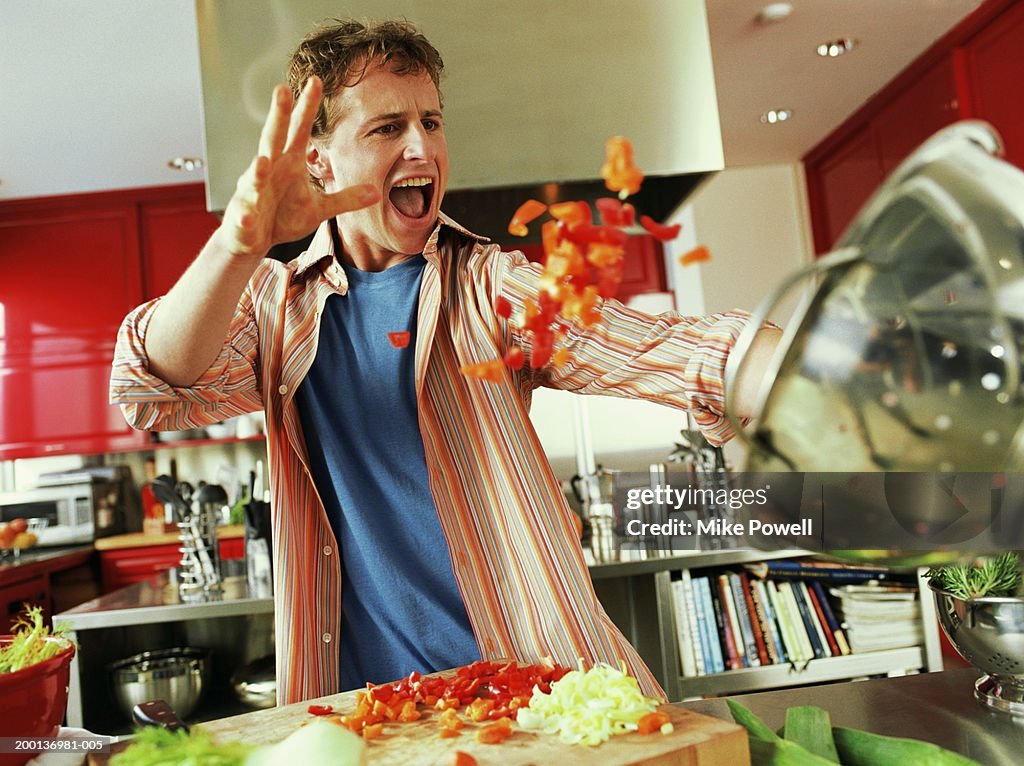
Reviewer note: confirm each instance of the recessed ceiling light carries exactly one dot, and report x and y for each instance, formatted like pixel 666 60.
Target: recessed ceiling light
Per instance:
pixel 773 116
pixel 833 48
pixel 186 164
pixel 774 12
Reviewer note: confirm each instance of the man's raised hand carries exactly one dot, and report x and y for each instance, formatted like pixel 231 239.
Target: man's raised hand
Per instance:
pixel 274 201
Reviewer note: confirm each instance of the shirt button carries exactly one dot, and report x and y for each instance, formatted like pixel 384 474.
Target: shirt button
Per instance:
pixel 327 638
pixel 282 390
pixel 327 550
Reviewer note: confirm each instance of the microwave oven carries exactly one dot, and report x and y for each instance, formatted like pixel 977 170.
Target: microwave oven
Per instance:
pixel 78 506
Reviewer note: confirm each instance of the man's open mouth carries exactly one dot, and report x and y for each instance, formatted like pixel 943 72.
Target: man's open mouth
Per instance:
pixel 412 196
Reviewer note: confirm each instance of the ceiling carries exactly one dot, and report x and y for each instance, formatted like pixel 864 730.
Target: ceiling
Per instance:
pixel 115 93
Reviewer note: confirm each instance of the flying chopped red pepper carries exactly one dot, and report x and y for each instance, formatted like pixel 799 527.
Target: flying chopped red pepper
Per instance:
pixel 615 212
pixel 660 231
pixel 619 173
pixel 524 214
pixel 491 370
pixel 502 307
pixel 584 263
pixel 697 255
pixel 399 339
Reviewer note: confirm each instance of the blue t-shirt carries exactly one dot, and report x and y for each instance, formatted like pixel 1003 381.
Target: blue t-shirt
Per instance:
pixel 401 607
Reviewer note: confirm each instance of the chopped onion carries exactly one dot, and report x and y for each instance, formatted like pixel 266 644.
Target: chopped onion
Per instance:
pixel 587 707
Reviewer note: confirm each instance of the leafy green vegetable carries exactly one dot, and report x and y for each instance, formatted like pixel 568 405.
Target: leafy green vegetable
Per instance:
pixel 862 748
pixel 157 746
pixel 810 727
pixel 588 707
pixel 766 747
pixel 999 576
pixel 850 747
pixel 29 644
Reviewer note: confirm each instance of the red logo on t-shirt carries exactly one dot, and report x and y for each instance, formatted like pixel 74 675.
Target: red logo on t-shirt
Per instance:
pixel 399 339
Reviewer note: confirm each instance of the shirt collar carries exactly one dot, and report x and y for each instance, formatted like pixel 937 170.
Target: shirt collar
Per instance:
pixel 321 247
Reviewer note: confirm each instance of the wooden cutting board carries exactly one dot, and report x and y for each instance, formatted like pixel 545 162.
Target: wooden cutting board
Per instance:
pixel 696 739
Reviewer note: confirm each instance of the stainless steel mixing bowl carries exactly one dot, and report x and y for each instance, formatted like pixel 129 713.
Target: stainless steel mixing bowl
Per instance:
pixel 177 676
pixel 989 634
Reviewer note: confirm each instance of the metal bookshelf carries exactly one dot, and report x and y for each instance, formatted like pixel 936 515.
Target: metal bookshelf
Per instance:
pixel 638 597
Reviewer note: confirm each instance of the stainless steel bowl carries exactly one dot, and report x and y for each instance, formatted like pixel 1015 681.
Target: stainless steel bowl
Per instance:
pixel 255 684
pixel 177 676
pixel 989 634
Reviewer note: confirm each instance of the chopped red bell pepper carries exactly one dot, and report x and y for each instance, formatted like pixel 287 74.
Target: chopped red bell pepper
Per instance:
pixel 526 212
pixel 660 231
pixel 502 307
pixel 320 709
pixel 615 212
pixel 619 173
pixel 571 212
pixel 697 255
pixel 515 358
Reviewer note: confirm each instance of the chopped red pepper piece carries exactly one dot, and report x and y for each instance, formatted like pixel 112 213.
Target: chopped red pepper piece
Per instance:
pixel 571 212
pixel 660 231
pixel 619 173
pixel 615 212
pixel 494 732
pixel 490 370
pixel 399 339
pixel 515 358
pixel 320 709
pixel 502 307
pixel 652 722
pixel 526 212
pixel 697 255
pixel 460 758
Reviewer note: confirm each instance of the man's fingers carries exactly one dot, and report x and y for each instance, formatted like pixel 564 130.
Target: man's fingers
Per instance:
pixel 273 135
pixel 301 124
pixel 350 198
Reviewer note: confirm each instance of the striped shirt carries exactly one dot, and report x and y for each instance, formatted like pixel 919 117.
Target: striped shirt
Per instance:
pixel 516 557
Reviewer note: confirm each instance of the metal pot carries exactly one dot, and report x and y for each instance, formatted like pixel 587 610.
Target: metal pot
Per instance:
pixel 255 684
pixel 177 676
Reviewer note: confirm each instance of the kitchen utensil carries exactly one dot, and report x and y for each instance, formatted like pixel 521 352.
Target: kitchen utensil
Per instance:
pixel 695 739
pixel 165 489
pixel 177 675
pixel 157 713
pixel 906 356
pixel 33 700
pixel 597 491
pixel 255 683
pixel 989 633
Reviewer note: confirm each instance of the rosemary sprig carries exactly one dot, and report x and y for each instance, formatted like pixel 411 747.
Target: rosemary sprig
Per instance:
pixel 999 576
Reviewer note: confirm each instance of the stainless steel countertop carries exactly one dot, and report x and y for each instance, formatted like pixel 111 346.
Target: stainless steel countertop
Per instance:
pixel 156 600
pixel 936 707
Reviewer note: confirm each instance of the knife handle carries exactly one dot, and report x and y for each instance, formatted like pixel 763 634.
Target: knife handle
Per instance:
pixel 157 713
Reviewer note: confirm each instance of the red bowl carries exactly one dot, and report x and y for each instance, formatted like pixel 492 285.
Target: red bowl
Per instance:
pixel 34 699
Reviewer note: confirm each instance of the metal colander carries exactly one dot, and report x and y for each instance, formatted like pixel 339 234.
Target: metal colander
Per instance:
pixel 988 633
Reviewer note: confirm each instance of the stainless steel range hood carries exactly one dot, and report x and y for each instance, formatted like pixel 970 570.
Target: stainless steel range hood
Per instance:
pixel 532 89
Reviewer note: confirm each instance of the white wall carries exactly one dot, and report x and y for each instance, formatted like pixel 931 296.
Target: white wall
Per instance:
pixel 755 224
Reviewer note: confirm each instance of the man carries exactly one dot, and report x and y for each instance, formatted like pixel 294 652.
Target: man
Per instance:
pixel 416 522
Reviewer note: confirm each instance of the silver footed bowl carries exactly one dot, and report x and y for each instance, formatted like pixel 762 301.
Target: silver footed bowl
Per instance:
pixel 988 632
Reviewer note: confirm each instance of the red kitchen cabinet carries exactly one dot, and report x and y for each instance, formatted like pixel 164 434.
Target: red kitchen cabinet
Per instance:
pixel 173 229
pixel 994 72
pixel 70 269
pixel 973 71
pixel 70 272
pixel 926 106
pixel 643 269
pixel 839 184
